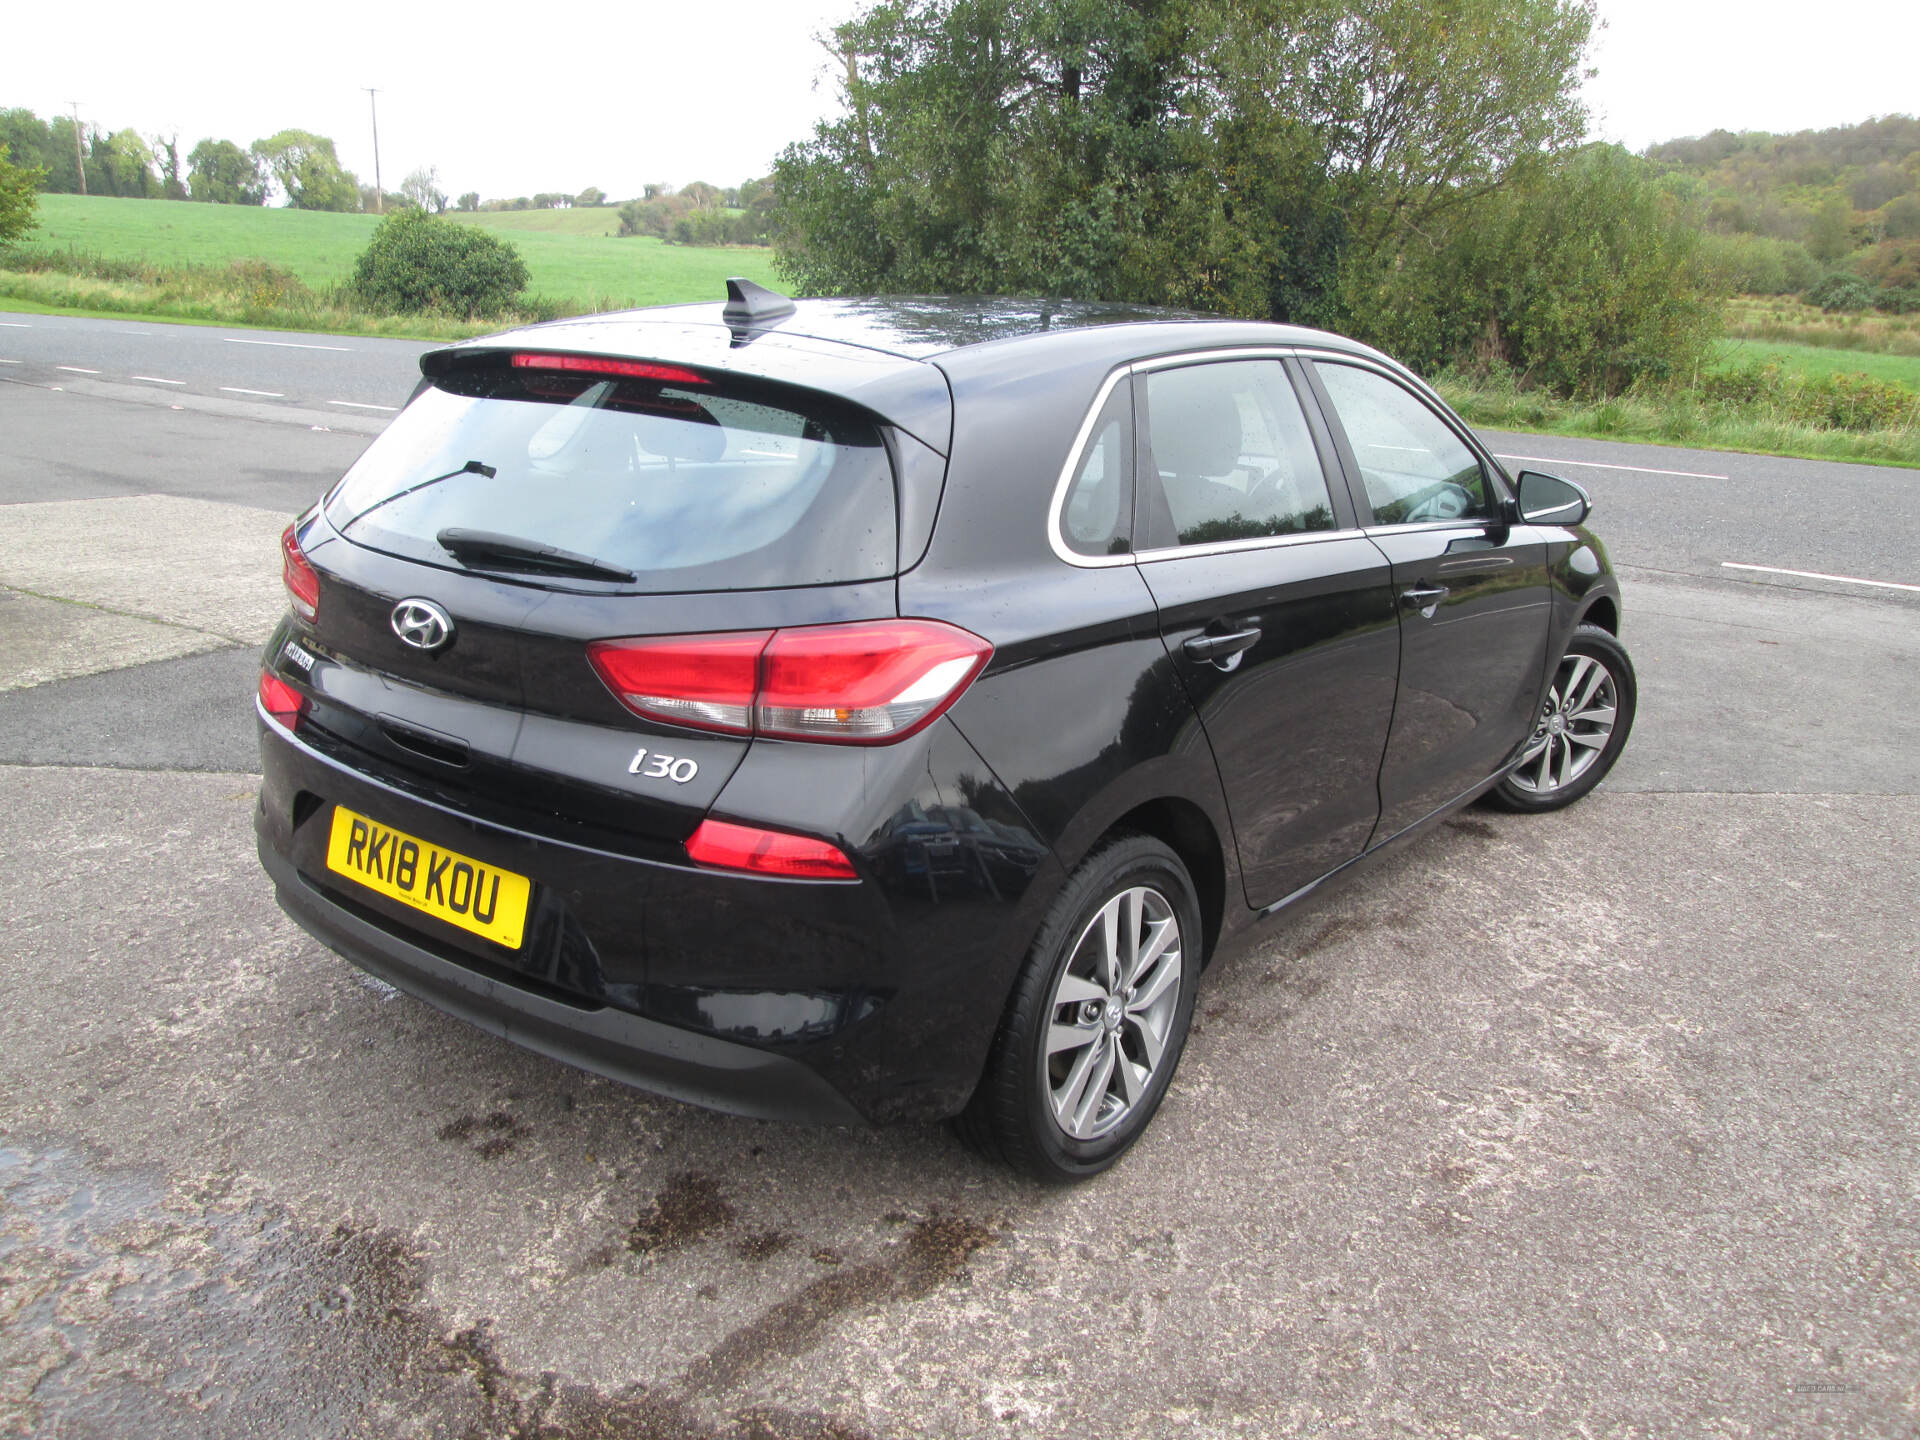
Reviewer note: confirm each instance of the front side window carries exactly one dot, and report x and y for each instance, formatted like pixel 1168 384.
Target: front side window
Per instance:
pixel 687 486
pixel 1231 451
pixel 1415 468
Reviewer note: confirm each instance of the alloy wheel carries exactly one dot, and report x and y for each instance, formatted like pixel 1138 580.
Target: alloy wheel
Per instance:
pixel 1111 1013
pixel 1576 722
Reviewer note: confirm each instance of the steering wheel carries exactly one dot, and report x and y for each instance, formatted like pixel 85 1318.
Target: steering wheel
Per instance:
pixel 1442 501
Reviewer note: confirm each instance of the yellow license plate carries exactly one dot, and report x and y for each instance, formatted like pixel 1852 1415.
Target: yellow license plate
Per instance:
pixel 461 891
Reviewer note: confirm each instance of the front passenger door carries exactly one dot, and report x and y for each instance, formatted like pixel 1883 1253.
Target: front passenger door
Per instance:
pixel 1471 587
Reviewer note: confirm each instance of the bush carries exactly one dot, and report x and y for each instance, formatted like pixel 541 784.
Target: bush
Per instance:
pixel 1828 402
pixel 1760 264
pixel 1843 292
pixel 419 263
pixel 1584 275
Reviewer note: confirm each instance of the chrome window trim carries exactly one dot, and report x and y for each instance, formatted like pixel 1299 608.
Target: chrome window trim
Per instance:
pixel 1056 509
pixel 1258 542
pixel 1465 525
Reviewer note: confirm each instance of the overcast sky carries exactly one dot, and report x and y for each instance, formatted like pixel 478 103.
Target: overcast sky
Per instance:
pixel 513 99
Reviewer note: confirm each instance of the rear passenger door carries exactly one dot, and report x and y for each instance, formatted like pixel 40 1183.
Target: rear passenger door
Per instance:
pixel 1471 585
pixel 1277 611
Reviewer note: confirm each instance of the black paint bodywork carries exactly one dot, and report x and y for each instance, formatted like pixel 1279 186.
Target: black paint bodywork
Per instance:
pixel 1353 724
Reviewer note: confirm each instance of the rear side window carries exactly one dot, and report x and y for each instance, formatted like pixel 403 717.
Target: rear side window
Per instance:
pixel 690 486
pixel 1233 455
pixel 1099 507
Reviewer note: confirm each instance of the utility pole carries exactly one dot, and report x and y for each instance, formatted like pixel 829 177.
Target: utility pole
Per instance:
pixel 79 154
pixel 379 195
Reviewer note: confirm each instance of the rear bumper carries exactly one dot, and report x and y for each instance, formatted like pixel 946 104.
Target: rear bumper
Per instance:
pixel 821 1001
pixel 643 1053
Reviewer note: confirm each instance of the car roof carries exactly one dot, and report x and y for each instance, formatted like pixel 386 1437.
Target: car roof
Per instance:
pixel 895 355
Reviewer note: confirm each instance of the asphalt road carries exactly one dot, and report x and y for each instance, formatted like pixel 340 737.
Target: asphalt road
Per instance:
pixel 1603 1123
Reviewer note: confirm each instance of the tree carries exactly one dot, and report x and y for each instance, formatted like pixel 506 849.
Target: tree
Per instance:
pixel 121 164
pixel 470 201
pixel 419 262
pixel 31 143
pixel 1246 156
pixel 166 157
pixel 1830 235
pixel 590 198
pixel 422 187
pixel 18 200
pixel 220 172
pixel 307 170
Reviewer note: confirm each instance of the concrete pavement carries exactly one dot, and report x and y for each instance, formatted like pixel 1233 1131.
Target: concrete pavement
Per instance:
pixel 1600 1123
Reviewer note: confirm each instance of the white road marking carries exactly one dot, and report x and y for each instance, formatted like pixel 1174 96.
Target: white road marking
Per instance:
pixel 1596 465
pixel 237 390
pixel 12 362
pixel 14 325
pixel 76 369
pixel 1817 575
pixel 288 345
pixel 157 380
pixel 359 405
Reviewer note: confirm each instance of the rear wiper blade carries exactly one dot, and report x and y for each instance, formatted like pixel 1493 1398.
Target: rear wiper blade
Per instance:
pixel 486 550
pixel 472 467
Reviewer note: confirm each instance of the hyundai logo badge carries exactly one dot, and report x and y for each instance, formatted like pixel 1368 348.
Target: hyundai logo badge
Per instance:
pixel 422 624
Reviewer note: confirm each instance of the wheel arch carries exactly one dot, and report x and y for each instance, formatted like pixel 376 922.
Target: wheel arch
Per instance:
pixel 1604 612
pixel 1186 829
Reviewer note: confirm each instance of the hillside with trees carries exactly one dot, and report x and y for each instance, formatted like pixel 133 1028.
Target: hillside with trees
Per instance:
pixel 1830 213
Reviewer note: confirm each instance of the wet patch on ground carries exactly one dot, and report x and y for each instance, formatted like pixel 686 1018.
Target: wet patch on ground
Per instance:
pixel 130 1309
pixel 935 1252
pixel 489 1138
pixel 690 1208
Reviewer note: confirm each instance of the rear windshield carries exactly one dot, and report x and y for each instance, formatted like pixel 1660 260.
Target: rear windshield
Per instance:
pixel 689 486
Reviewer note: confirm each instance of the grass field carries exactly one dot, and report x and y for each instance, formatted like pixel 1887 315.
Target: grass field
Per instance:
pixel 568 256
pixel 1798 359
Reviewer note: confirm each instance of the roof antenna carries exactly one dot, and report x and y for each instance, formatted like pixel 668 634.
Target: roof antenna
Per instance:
pixel 751 303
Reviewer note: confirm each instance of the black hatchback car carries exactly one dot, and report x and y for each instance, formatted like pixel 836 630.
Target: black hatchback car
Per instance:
pixel 854 710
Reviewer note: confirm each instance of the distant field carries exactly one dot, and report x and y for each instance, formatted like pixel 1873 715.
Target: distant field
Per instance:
pixel 566 252
pixel 603 220
pixel 1822 360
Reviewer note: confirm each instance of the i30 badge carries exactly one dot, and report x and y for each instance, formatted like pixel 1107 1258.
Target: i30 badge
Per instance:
pixel 422 624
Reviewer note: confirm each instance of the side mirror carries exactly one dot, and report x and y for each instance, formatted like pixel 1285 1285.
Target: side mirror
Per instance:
pixel 1549 500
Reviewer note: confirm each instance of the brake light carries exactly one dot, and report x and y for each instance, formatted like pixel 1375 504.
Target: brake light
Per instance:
pixel 284 704
pixel 595 365
pixel 864 683
pixel 303 585
pixel 767 852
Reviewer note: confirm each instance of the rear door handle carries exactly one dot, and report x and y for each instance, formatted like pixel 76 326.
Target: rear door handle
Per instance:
pixel 1424 599
pixel 1221 647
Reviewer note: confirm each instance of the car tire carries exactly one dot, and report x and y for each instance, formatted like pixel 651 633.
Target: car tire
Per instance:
pixel 1582 727
pixel 1062 1108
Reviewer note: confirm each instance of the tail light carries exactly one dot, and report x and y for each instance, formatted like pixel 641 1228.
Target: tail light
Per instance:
pixel 767 852
pixel 865 683
pixel 284 704
pixel 303 585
